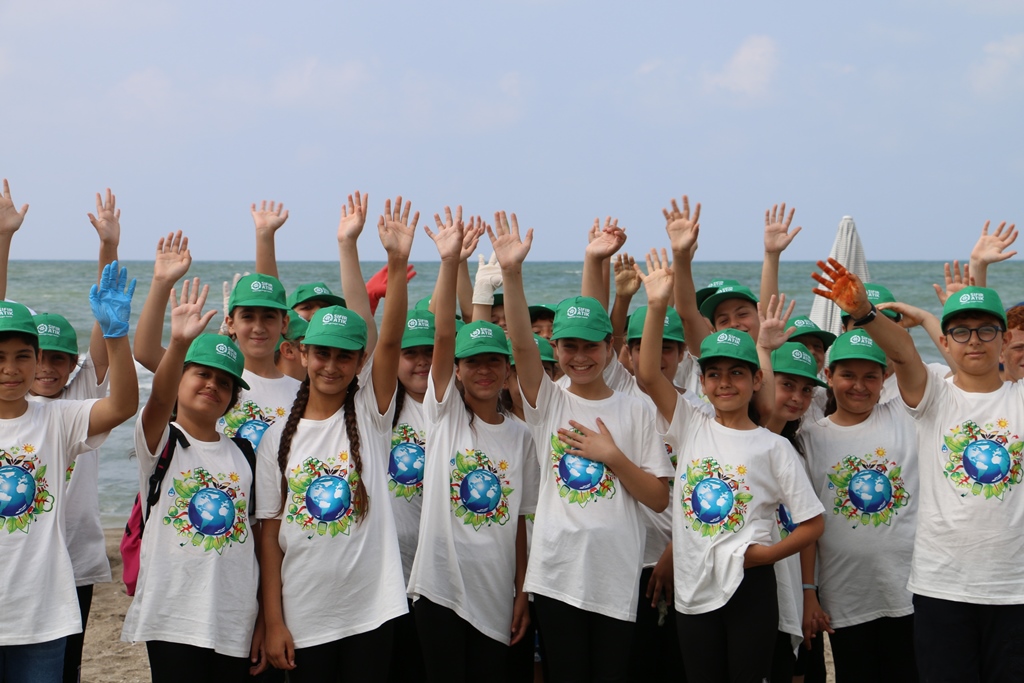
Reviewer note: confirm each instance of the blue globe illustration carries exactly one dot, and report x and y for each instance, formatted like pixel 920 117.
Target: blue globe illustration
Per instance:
pixel 712 500
pixel 17 490
pixel 406 464
pixel 328 498
pixel 580 473
pixel 252 431
pixel 986 461
pixel 870 491
pixel 480 491
pixel 785 520
pixel 211 512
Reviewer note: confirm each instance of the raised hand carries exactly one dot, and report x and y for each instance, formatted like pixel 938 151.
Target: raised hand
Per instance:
pixel 450 234
pixel 269 217
pixel 396 231
pixel 910 316
pixel 682 228
pixel 842 287
pixel 172 258
pixel 107 220
pixel 774 317
pixel 627 281
pixel 607 240
pixel 187 318
pixel 592 444
pixel 111 301
pixel 10 218
pixel 509 249
pixel 776 229
pixel 955 281
pixel 475 227
pixel 992 248
pixel 659 279
pixel 353 217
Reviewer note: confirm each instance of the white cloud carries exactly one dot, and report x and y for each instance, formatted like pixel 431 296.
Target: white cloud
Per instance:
pixel 1001 69
pixel 750 71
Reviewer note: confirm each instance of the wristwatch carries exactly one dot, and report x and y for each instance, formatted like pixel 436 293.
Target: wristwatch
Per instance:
pixel 860 322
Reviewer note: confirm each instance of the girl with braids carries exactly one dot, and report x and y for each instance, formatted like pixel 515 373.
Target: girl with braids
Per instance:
pixel 332 582
pixel 479 483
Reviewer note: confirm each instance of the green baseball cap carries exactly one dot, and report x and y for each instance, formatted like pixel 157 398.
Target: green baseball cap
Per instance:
pixel 547 354
pixel 419 329
pixel 877 294
pixel 479 337
pixel 55 333
pixel 724 293
pixel 499 299
pixel 710 288
pixel 16 317
pixel 792 358
pixel 856 345
pixel 338 328
pixel 729 343
pixel 805 327
pixel 973 299
pixel 673 325
pixel 218 351
pixel 581 317
pixel 541 311
pixel 424 305
pixel 314 291
pixel 259 290
pixel 295 332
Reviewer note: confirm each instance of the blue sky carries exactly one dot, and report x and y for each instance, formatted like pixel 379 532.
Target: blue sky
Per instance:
pixel 905 115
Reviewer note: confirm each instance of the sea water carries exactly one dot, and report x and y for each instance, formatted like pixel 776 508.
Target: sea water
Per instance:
pixel 63 287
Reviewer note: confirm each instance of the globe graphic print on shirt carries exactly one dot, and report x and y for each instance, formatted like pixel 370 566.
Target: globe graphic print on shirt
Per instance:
pixel 870 491
pixel 17 490
pixel 211 512
pixel 786 523
pixel 712 500
pixel 580 473
pixel 480 491
pixel 986 461
pixel 252 431
pixel 406 464
pixel 328 498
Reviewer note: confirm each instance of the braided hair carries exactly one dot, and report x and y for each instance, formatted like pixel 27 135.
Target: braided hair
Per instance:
pixel 298 409
pixel 360 501
pixel 400 394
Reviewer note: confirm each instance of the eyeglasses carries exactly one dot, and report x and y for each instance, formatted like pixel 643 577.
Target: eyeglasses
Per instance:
pixel 986 333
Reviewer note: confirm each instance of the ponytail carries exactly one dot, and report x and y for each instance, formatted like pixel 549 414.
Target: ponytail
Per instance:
pixel 360 501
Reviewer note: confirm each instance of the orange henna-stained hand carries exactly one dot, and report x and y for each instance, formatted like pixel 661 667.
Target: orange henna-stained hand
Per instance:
pixel 842 287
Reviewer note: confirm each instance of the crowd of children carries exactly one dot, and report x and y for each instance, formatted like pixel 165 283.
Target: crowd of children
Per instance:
pixel 487 488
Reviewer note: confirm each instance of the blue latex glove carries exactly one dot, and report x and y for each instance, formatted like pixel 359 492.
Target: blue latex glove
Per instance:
pixel 111 302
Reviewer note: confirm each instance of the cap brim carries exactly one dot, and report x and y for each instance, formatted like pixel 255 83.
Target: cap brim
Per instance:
pixel 707 309
pixel 827 338
pixel 578 332
pixel 479 349
pixel 412 341
pixel 329 299
pixel 259 303
pixel 334 342
pixel 731 356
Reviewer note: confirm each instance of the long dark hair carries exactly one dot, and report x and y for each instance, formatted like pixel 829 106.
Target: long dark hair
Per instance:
pixel 360 500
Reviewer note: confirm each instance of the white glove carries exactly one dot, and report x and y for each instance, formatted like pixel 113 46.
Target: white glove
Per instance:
pixel 227 296
pixel 488 279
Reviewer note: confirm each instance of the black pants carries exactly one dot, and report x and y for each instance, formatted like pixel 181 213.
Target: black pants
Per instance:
pixel 174 663
pixel 406 655
pixel 521 656
pixel 655 650
pixel 581 645
pixel 362 657
pixel 454 651
pixel 783 659
pixel 962 642
pixel 733 643
pixel 73 649
pixel 811 663
pixel 878 648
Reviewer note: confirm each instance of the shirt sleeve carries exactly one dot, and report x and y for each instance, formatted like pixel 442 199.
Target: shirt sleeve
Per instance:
pixel 74 418
pixel 796 492
pixel 269 476
pixel 673 432
pixel 433 409
pixel 366 404
pixel 548 394
pixel 85 385
pixel 531 476
pixel 652 458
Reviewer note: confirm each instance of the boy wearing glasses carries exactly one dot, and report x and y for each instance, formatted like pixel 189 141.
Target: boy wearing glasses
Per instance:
pixel 967 576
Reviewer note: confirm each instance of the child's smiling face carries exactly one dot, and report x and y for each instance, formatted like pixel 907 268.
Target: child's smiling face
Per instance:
pixel 52 372
pixel 256 329
pixel 18 361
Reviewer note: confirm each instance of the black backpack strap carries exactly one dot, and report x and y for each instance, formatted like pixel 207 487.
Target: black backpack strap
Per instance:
pixel 174 438
pixel 245 446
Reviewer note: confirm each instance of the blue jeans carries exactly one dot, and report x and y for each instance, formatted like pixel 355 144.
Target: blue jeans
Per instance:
pixel 35 663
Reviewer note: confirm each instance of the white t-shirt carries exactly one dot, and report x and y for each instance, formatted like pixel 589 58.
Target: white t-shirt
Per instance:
pixel 342 572
pixel 588 537
pixel 866 477
pixel 688 375
pixel 265 402
pixel 738 478
pixel 967 547
pixel 479 479
pixel 86 543
pixel 38 589
pixel 198 572
pixel 405 477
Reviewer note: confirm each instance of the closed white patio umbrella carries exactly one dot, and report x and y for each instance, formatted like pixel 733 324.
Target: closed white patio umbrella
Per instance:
pixel 848 250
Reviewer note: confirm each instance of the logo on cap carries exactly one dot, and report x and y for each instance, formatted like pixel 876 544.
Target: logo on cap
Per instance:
pixel 731 339
pixel 481 332
pixel 858 340
pixel 261 286
pixel 6 312
pixel 335 319
pixel 716 283
pixel 972 297
pixel 803 323
pixel 581 312
pixel 48 330
pixel 225 350
pixel 666 321
pixel 418 324
pixel 320 290
pixel 802 356
pixel 725 289
pixel 873 293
